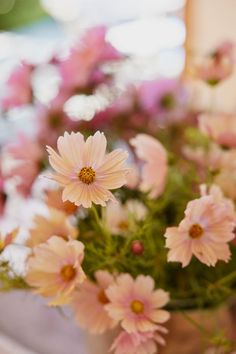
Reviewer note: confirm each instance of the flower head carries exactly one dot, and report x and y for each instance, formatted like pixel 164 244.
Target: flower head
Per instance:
pixel 56 224
pixel 53 199
pixel 204 233
pixel 154 170
pixel 136 304
pixel 91 299
pixel 84 169
pixel 54 269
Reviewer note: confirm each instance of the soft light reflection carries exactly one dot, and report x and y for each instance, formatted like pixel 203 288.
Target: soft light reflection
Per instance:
pixel 147 36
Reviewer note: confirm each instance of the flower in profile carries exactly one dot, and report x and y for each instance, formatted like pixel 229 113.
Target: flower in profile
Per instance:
pixel 53 199
pixel 120 218
pixel 56 224
pixel 7 239
pixel 154 170
pixel 220 127
pixel 54 269
pixel 91 298
pixel 204 233
pixel 27 155
pixel 218 65
pixel 84 169
pixel 18 87
pixel 136 304
pixel 138 342
pixel 163 99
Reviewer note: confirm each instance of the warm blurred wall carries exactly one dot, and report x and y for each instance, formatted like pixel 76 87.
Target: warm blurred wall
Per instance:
pixel 208 23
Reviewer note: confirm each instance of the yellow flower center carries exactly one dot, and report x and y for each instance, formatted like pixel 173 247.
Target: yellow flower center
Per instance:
pixel 137 307
pixel 102 298
pixel 123 225
pixel 87 175
pixel 68 273
pixel 195 231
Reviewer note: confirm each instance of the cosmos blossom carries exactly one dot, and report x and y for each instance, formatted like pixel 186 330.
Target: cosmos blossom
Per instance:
pixel 136 304
pixel 204 232
pixel 54 270
pixel 91 298
pixel 84 169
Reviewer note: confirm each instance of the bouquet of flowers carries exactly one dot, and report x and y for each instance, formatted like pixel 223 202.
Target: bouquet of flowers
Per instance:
pixel 139 199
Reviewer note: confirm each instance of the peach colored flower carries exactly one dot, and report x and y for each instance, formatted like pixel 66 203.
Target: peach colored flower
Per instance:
pixel 121 218
pixel 53 199
pixel 220 127
pixel 56 224
pixel 54 269
pixel 204 233
pixel 85 170
pixel 138 342
pixel 136 304
pixel 154 170
pixel 88 303
pixel 8 239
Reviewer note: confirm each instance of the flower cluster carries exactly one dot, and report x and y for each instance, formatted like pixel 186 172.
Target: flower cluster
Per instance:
pixel 137 205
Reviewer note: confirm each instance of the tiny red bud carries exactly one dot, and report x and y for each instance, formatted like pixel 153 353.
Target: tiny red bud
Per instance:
pixel 137 247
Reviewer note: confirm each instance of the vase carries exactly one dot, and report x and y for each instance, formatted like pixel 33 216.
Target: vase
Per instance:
pixel 27 320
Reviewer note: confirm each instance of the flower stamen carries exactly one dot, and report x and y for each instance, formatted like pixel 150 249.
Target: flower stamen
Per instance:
pixel 195 231
pixel 68 273
pixel 137 307
pixel 87 175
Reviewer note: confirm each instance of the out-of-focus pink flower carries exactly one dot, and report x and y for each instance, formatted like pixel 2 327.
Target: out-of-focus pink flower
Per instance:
pixel 53 199
pixel 54 269
pixel 204 233
pixel 28 155
pixel 164 99
pixel 8 238
pixel 220 127
pixel 218 65
pixel 154 170
pixel 84 169
pixel 138 343
pixel 81 68
pixel 136 304
pixel 89 301
pixel 18 87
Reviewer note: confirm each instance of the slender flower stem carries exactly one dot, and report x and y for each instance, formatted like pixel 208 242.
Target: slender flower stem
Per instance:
pixel 197 325
pixel 99 222
pixel 227 279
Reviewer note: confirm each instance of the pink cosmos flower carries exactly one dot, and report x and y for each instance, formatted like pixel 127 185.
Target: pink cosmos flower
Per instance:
pixel 28 155
pixel 220 127
pixel 218 65
pixel 91 299
pixel 204 233
pixel 18 90
pixel 85 170
pixel 54 269
pixel 136 304
pixel 138 343
pixel 81 68
pixel 163 99
pixel 154 170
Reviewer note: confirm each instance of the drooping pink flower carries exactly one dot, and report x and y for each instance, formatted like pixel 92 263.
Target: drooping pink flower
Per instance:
pixel 84 169
pixel 88 303
pixel 218 65
pixel 219 127
pixel 154 170
pixel 81 68
pixel 136 304
pixel 164 99
pixel 28 156
pixel 204 232
pixel 18 87
pixel 54 270
pixel 139 342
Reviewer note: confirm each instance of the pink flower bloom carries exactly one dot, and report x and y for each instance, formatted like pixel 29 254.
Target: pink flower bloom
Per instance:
pixel 154 170
pixel 138 343
pixel 18 90
pixel 136 304
pixel 220 127
pixel 85 170
pixel 28 155
pixel 204 233
pixel 82 66
pixel 164 99
pixel 54 269
pixel 89 301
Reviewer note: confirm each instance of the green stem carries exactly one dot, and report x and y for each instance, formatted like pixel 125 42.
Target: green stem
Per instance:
pixel 202 329
pixel 98 221
pixel 227 279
